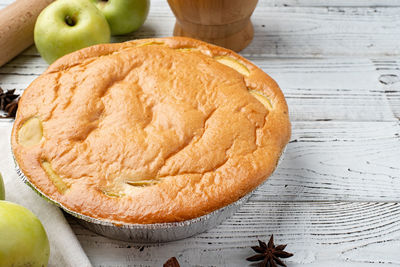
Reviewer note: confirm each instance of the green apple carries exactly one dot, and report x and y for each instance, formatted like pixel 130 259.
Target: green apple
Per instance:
pixel 124 16
pixel 23 240
pixel 69 25
pixel 2 191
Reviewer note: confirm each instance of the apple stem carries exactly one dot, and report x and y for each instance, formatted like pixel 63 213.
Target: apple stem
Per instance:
pixel 69 20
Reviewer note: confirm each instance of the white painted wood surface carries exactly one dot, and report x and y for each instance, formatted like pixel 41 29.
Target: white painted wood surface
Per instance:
pixel 335 199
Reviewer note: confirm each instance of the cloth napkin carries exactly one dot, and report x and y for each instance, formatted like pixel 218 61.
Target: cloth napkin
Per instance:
pixel 65 249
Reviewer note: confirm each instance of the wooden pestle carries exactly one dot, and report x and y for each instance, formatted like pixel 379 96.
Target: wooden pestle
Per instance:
pixel 17 22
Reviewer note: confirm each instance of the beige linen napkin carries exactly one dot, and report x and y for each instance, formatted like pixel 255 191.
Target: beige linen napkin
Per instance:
pixel 65 249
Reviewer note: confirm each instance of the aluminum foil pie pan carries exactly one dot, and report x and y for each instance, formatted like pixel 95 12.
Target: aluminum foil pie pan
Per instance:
pixel 149 233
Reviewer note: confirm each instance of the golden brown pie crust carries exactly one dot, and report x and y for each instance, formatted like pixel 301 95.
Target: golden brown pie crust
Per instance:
pixel 150 131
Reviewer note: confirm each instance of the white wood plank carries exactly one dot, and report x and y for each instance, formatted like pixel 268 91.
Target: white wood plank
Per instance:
pixel 302 31
pixel 389 77
pixel 349 161
pixel 330 3
pixel 316 32
pixel 318 233
pixel 306 3
pixel 351 89
pixel 337 89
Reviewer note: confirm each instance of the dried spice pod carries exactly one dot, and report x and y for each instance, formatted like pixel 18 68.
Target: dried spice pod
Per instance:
pixel 270 254
pixel 9 102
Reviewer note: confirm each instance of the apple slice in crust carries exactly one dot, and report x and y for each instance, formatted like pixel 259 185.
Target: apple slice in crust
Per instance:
pixel 142 182
pixel 234 64
pixel 112 193
pixel 262 98
pixel 54 177
pixel 150 43
pixel 31 132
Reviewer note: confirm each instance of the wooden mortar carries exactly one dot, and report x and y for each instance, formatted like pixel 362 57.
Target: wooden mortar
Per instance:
pixel 222 22
pixel 17 23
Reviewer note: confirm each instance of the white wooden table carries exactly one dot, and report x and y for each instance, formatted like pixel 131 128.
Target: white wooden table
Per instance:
pixel 335 199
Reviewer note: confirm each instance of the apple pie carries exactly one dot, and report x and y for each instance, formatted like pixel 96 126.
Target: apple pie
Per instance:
pixel 150 131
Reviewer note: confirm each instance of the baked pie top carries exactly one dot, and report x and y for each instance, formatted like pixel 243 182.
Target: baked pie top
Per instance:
pixel 150 131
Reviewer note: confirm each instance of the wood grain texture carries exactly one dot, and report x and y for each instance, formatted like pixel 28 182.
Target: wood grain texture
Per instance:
pixel 335 198
pixel 318 233
pixel 345 161
pixel 301 3
pixel 330 3
pixel 294 31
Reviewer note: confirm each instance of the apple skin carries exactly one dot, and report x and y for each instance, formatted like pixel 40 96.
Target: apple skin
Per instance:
pixel 54 37
pixel 124 16
pixel 23 239
pixel 2 191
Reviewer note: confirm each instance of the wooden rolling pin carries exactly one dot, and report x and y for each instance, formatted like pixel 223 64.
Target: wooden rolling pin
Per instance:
pixel 17 22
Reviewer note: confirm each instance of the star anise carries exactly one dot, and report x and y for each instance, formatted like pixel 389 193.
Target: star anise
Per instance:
pixel 270 254
pixel 171 262
pixel 9 102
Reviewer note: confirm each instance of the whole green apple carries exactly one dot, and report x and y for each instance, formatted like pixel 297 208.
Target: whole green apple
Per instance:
pixel 69 25
pixel 2 191
pixel 124 16
pixel 23 240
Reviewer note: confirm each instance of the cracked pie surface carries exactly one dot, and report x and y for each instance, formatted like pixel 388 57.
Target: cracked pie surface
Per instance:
pixel 150 131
